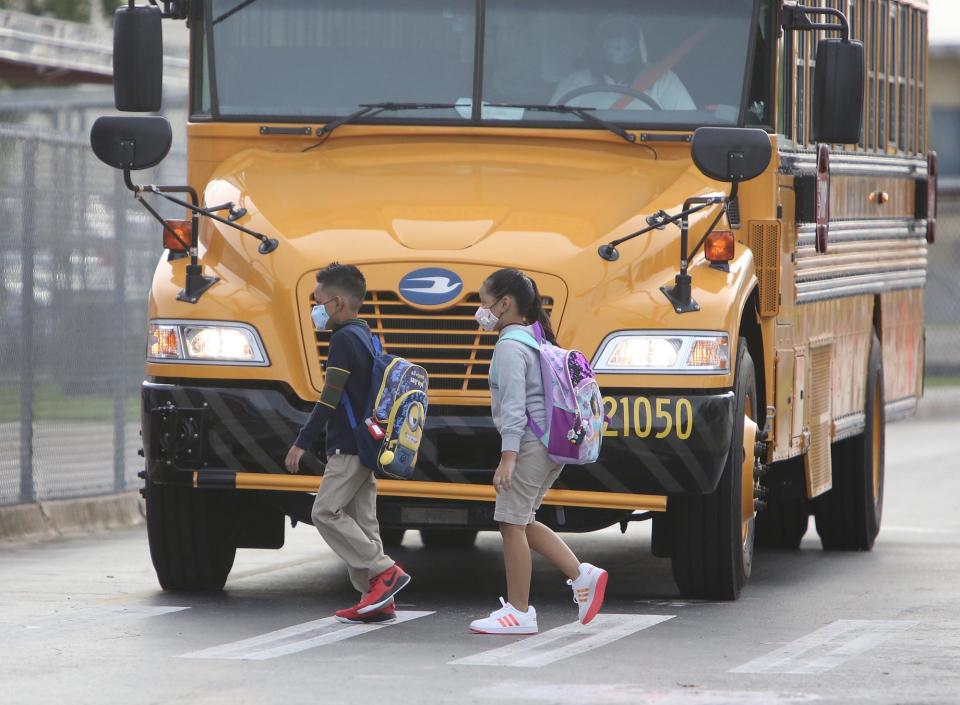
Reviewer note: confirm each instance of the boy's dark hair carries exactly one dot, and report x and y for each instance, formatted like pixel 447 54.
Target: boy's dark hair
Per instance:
pixel 524 290
pixel 345 277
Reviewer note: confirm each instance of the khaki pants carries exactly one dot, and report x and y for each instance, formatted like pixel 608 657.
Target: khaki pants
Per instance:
pixel 345 514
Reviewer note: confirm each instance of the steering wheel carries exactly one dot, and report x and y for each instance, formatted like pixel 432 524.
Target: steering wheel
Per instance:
pixel 608 88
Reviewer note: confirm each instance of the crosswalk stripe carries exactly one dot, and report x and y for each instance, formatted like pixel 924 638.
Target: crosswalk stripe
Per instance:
pixel 86 618
pixel 845 638
pixel 547 693
pixel 563 642
pixel 294 639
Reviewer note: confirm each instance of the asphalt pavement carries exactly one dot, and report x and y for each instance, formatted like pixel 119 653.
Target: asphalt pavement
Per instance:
pixel 83 621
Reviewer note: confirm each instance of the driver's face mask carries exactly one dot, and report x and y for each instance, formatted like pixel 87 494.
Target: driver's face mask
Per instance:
pixel 619 51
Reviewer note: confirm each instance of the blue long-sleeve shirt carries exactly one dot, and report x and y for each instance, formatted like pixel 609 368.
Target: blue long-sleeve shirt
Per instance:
pixel 349 363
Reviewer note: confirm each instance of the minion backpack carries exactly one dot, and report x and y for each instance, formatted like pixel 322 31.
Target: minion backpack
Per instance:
pixel 389 432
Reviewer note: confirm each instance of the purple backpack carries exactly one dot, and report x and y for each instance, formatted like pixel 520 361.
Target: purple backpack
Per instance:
pixel 574 406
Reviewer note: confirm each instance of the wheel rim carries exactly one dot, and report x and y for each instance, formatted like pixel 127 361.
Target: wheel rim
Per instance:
pixel 877 428
pixel 748 485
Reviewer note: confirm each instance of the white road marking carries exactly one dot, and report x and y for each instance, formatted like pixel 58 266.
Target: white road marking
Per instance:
pixel 847 637
pixel 563 642
pixel 85 618
pixel 917 529
pixel 628 694
pixel 296 638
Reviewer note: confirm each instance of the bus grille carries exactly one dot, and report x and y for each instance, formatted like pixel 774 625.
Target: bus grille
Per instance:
pixel 447 343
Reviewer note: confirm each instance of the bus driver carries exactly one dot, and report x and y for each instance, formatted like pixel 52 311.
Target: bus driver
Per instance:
pixel 618 56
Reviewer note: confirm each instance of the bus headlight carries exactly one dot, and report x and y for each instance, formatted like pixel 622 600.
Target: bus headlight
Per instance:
pixel 205 343
pixel 664 353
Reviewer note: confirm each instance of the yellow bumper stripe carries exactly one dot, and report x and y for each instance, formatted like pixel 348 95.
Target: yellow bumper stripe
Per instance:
pixel 458 491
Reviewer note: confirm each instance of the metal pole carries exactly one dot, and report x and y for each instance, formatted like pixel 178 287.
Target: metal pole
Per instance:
pixel 79 213
pixel 27 486
pixel 120 328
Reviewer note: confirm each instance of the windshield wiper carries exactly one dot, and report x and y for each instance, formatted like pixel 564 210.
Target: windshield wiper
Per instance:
pixel 371 109
pixel 582 113
pixel 233 11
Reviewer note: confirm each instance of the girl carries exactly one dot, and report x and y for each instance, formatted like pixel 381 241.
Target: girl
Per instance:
pixel 510 298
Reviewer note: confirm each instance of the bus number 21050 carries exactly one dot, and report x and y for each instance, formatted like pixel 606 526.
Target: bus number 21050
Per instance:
pixel 643 417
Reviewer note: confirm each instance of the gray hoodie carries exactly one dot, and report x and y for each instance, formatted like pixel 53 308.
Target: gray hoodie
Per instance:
pixel 516 388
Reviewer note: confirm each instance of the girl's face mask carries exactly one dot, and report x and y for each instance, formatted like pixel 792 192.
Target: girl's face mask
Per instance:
pixel 486 319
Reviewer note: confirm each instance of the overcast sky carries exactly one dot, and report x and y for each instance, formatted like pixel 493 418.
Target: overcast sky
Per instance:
pixel 944 21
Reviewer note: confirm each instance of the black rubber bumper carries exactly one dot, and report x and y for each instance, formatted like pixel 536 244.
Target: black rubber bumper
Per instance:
pixel 656 443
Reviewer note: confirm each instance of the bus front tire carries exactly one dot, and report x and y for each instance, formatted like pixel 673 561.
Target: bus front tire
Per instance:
pixel 190 531
pixel 712 538
pixel 848 516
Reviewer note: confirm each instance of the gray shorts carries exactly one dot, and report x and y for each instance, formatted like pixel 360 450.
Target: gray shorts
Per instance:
pixel 533 476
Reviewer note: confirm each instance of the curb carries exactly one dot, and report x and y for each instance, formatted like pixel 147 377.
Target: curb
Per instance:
pixel 39 521
pixel 939 402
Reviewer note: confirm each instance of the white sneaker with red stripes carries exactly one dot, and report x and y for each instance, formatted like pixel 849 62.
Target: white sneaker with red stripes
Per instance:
pixel 588 591
pixel 507 620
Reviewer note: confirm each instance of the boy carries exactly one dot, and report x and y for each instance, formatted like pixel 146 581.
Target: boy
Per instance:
pixel 345 511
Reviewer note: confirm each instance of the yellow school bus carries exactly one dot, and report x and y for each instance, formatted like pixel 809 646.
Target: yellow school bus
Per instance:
pixel 726 205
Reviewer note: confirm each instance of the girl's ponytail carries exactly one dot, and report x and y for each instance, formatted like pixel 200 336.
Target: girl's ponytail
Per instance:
pixel 513 282
pixel 537 313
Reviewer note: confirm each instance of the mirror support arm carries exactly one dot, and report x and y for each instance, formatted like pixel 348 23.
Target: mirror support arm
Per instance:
pixel 730 199
pixel 795 18
pixel 609 251
pixel 197 282
pixel 171 10
pixel 680 294
pixel 267 244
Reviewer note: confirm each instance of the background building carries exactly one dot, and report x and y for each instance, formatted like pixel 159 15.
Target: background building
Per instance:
pixel 943 285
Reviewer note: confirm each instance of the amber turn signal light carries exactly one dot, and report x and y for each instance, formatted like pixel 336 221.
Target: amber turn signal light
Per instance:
pixel 719 246
pixel 183 230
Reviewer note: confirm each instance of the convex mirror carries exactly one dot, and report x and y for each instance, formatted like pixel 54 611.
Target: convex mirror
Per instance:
pixel 731 154
pixel 131 142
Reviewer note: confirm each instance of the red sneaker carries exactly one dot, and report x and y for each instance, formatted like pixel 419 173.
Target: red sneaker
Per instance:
pixel 385 615
pixel 382 589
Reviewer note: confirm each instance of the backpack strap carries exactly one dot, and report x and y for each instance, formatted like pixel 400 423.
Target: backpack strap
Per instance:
pixel 538 332
pixel 370 342
pixel 522 336
pixel 518 334
pixel 373 346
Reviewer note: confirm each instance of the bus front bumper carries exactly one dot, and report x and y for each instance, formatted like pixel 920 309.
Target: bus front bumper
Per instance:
pixel 655 445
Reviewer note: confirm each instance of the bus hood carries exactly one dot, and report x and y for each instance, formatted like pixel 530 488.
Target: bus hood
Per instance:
pixel 534 202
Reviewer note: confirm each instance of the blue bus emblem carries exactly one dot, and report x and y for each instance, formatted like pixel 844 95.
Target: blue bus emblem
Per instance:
pixel 431 286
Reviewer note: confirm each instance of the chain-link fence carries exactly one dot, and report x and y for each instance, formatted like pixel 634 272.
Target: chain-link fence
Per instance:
pixel 77 255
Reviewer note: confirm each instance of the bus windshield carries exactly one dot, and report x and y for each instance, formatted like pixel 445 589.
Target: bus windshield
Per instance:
pixel 680 63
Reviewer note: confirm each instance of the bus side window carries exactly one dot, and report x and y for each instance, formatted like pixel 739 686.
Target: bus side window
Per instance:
pixel 761 85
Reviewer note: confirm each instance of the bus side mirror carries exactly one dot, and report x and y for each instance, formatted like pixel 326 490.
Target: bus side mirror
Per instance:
pixel 137 59
pixel 838 91
pixel 731 154
pixel 131 143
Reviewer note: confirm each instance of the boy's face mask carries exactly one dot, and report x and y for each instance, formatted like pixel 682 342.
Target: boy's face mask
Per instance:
pixel 320 316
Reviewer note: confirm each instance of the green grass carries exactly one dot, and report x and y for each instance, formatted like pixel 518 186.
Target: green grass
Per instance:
pixel 943 382
pixel 51 404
